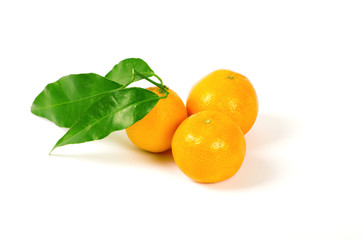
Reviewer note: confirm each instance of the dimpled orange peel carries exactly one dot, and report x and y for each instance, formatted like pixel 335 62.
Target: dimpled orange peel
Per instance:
pixel 228 92
pixel 155 131
pixel 208 147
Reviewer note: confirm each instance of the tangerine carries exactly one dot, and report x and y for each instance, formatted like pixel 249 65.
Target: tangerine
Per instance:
pixel 208 147
pixel 155 131
pixel 228 92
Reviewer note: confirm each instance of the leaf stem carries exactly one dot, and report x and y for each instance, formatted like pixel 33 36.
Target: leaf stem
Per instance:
pixel 159 79
pixel 161 86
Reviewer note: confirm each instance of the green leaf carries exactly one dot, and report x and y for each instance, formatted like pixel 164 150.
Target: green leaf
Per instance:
pixel 115 111
pixel 125 71
pixel 63 101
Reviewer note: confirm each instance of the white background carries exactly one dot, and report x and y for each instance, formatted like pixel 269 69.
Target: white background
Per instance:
pixel 301 178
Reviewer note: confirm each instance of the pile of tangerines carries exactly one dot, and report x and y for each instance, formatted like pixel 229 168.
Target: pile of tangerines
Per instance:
pixel 206 136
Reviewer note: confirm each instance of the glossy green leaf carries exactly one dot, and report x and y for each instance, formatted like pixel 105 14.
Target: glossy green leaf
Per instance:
pixel 125 71
pixel 115 111
pixel 63 101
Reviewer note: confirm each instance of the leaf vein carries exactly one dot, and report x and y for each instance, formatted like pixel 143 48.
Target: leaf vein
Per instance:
pixel 76 100
pixel 118 110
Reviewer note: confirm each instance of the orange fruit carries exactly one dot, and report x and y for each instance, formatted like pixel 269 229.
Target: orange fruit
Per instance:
pixel 228 92
pixel 154 132
pixel 208 147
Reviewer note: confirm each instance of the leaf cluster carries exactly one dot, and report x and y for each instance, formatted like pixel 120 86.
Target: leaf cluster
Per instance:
pixel 93 106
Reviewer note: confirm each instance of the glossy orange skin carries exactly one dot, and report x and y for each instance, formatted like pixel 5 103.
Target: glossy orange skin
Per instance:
pixel 154 132
pixel 208 147
pixel 228 92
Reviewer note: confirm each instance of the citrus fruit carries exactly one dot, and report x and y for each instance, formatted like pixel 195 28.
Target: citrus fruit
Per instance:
pixel 228 92
pixel 154 132
pixel 208 147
